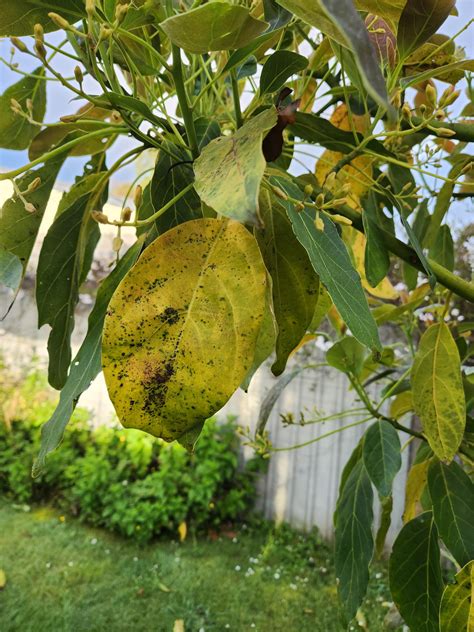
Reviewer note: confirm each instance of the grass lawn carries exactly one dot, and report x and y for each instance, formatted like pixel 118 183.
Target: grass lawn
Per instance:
pixel 63 576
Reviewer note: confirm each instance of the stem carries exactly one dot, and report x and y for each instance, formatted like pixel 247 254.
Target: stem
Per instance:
pixel 183 100
pixel 59 150
pixel 236 98
pixel 463 131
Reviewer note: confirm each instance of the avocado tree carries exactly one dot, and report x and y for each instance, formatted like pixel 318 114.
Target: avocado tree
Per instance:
pixel 307 157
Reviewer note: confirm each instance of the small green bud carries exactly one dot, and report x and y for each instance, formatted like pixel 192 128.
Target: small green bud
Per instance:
pixel 138 197
pixel 59 21
pixel 17 43
pixel 308 190
pixel 78 75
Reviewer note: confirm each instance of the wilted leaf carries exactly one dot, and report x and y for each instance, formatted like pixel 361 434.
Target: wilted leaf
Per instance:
pixel 415 486
pixel 178 625
pixel 419 21
pixel 382 456
pixel 213 26
pixel 181 329
pixel 457 603
pixel 15 131
pixel 278 68
pixel 330 259
pixel 452 494
pixel 87 362
pixel 415 574
pixel 295 284
pixel 354 543
pixel 438 395
pixel 229 170
pixel 19 18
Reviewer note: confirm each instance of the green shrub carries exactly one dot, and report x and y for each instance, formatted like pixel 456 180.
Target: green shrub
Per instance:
pixel 125 480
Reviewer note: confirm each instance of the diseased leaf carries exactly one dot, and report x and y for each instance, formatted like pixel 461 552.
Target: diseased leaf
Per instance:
pixel 18 227
pixel 295 284
pixel 457 603
pixel 443 248
pixel 330 259
pixel 340 20
pixel 438 395
pixel 278 68
pixel 382 457
pixel 206 130
pixel 452 494
pixel 16 131
pixel 19 18
pixel 354 544
pixel 402 404
pixel 419 21
pixel 181 329
pixel 213 26
pixel 87 362
pixel 347 355
pixel 229 170
pixel 415 574
pixel 416 483
pixel 63 263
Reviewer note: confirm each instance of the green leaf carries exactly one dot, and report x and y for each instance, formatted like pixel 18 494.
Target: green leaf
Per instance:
pixel 419 21
pixel 275 15
pixel 295 284
pixel 240 55
pixel 173 354
pixel 354 544
pixel 54 134
pixel 331 261
pixel 206 130
pixel 315 129
pixel 415 574
pixel 15 131
pixel 230 168
pixel 438 395
pixel 11 270
pixel 87 362
pixel 452 494
pixel 340 20
pixel 457 603
pixel 420 227
pixel 382 456
pixel 386 504
pixel 169 178
pixel 18 227
pixel 213 27
pixel 443 248
pixel 323 305
pixel 347 355
pixel 376 257
pixel 19 18
pixel 64 260
pixel 442 72
pixel 278 68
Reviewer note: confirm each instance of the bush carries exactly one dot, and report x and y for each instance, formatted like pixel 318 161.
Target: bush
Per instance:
pixel 125 480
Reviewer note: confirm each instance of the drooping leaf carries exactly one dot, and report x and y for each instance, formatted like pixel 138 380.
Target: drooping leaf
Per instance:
pixel 172 174
pixel 315 129
pixel 415 486
pixel 64 260
pixel 181 329
pixel 278 68
pixel 339 19
pixel 377 259
pixel 295 284
pixel 443 248
pixel 212 27
pixel 354 544
pixel 16 131
pixel 382 457
pixel 457 602
pixel 452 494
pixel 229 170
pixel 415 574
pixel 438 395
pixel 330 259
pixel 419 21
pixel 19 18
pixel 87 362
pixel 347 355
pixel 18 227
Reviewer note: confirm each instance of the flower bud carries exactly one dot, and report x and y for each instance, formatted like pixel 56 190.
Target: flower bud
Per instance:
pixel 126 214
pixel 59 21
pixel 117 244
pixel 431 95
pixel 105 33
pixel 30 208
pixel 29 105
pixel 78 75
pixel 319 223
pixel 99 217
pixel 444 131
pixel 279 193
pixel 339 202
pixel 120 12
pixel 90 7
pixel 34 184
pixel 406 111
pixel 341 219
pixel 17 43
pixel 320 200
pixel 138 197
pixel 69 118
pixel 38 32
pixel 449 96
pixel 15 105
pixel 40 49
pixel 330 180
pixel 308 190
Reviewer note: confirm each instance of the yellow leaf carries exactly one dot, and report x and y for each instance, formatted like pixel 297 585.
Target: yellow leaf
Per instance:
pixel 305 339
pixel 178 625
pixel 3 579
pixel 416 483
pixel 438 394
pixel 402 404
pixel 182 531
pixel 181 329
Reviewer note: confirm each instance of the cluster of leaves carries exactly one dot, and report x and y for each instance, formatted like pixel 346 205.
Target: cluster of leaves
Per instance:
pixel 125 481
pixel 237 259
